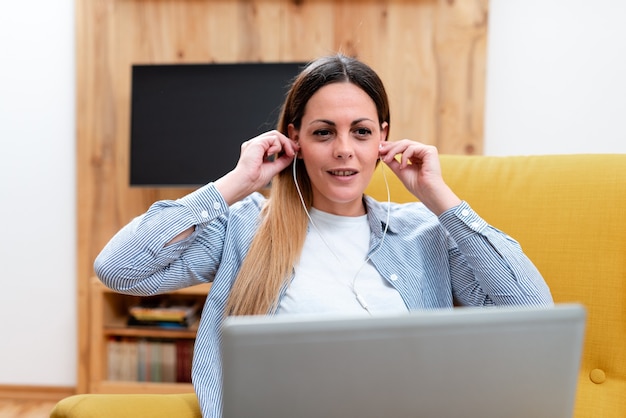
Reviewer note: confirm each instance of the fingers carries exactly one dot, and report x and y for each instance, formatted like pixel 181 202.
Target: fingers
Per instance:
pixel 264 156
pixel 260 159
pixel 410 152
pixel 271 143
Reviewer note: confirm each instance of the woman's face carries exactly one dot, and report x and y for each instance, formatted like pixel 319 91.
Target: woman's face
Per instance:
pixel 339 138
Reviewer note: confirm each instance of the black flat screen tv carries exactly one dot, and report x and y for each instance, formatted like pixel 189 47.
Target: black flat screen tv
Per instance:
pixel 188 120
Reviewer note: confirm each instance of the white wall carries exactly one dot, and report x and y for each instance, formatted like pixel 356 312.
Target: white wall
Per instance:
pixel 37 192
pixel 556 77
pixel 556 84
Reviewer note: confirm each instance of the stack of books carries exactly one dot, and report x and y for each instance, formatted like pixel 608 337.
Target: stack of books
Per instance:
pixel 164 314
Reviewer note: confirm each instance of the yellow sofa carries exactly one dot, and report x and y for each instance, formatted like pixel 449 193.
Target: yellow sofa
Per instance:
pixel 569 214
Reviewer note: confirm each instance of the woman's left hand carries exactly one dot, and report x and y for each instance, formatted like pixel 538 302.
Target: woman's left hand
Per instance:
pixel 419 170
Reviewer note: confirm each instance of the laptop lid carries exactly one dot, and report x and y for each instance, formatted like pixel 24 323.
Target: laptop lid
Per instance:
pixel 464 362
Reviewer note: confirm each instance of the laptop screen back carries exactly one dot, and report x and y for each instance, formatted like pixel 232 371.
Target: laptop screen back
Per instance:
pixel 465 362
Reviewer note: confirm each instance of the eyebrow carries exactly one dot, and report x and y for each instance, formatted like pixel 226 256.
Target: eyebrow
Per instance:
pixel 330 122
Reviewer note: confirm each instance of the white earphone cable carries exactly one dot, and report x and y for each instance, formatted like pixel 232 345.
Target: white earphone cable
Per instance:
pixel 358 296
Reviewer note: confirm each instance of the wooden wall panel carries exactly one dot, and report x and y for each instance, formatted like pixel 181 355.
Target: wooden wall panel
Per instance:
pixel 430 54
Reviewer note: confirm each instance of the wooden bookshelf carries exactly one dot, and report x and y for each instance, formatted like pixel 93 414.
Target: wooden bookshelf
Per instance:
pixel 108 324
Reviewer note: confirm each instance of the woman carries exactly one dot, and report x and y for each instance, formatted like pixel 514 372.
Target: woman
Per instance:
pixel 317 244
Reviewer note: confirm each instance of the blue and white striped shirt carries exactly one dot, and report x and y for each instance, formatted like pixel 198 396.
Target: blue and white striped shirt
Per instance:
pixel 433 262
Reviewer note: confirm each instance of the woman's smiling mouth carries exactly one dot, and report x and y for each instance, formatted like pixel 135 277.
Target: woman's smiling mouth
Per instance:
pixel 342 173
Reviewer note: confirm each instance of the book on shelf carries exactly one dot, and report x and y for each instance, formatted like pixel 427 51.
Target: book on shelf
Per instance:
pixel 149 360
pixel 163 313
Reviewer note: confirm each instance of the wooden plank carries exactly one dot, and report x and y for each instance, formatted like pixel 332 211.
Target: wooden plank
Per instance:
pixel 460 53
pixel 35 392
pixel 142 387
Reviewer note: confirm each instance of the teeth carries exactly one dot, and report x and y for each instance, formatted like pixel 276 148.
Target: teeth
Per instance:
pixel 342 173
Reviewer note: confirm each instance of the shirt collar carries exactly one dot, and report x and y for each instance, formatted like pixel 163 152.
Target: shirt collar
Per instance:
pixel 377 216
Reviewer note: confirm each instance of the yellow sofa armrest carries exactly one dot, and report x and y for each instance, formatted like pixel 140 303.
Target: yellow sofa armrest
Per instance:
pixel 128 405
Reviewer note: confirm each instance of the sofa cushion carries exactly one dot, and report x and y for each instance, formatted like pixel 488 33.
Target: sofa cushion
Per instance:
pixel 127 405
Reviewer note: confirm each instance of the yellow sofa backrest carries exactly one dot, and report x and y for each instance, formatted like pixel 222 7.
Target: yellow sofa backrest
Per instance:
pixel 569 214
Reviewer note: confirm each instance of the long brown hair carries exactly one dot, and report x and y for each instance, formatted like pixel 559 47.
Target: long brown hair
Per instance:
pixel 277 245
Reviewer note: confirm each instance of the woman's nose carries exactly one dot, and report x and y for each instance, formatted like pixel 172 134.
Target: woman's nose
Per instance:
pixel 343 149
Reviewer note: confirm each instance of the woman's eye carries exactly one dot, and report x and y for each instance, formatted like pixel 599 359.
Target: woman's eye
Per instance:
pixel 322 132
pixel 363 132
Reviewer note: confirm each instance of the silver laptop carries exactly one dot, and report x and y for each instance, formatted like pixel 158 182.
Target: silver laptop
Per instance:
pixel 465 362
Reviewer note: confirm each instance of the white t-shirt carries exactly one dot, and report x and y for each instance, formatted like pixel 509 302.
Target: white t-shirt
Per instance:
pixel 325 283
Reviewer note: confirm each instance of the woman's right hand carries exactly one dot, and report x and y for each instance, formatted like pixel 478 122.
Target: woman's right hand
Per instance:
pixel 261 158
